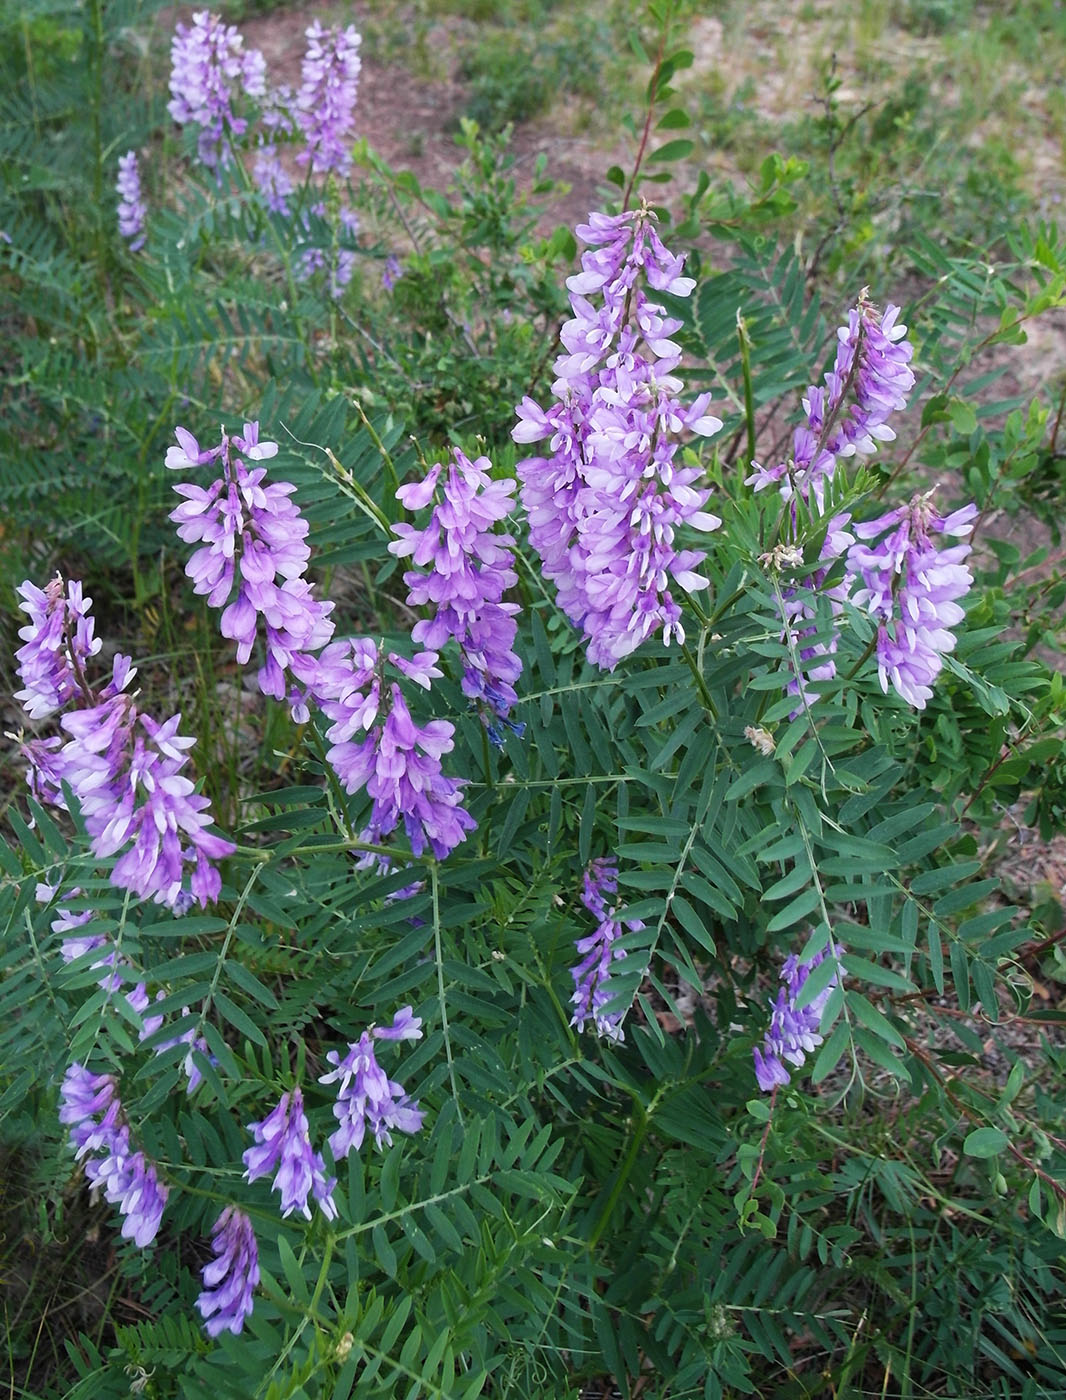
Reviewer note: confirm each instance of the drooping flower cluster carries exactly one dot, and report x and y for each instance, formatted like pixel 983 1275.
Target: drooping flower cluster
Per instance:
pixel 253 538
pixel 123 766
pixel 284 1147
pixel 912 589
pixel 367 1097
pixel 253 535
pixel 231 1277
pixel 132 209
pixel 813 649
pixel 794 1031
pixel 599 952
pixel 209 66
pixel 870 379
pixel 606 504
pixel 467 568
pixel 325 104
pixel 91 1109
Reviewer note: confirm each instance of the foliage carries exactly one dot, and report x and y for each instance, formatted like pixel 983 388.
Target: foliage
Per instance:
pixel 573 1211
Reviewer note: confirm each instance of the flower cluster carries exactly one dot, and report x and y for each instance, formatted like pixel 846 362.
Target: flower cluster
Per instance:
pixel 284 1147
pixel 367 1097
pixel 253 538
pixel 794 1031
pixel 469 570
pixel 90 1107
pixel 132 209
pixel 870 379
pixel 325 104
pixel 123 766
pixel 593 972
pixel 209 65
pixel 606 505
pixel 232 1275
pixel 912 588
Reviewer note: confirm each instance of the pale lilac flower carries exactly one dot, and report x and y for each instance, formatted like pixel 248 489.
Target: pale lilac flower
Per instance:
pixel 284 1147
pixel 272 180
pixel 231 1277
pixel 391 272
pixel 367 1097
pixel 794 1031
pixel 870 379
pixel 58 641
pixel 464 570
pixel 606 502
pixel 124 767
pixel 132 209
pixel 91 1109
pixel 253 538
pixel 598 953
pixel 209 68
pixel 325 104
pixel 912 590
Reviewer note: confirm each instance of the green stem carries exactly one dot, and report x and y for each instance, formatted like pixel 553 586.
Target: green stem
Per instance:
pixel 624 1171
pixel 705 694
pixel 749 396
pixel 434 879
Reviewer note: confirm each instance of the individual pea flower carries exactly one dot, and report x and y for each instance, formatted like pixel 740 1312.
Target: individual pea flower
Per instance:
pixel 325 104
pixel 367 1097
pixel 209 68
pixel 132 209
pixel 794 1031
pixel 912 589
pixel 91 1109
pixel 599 953
pixel 231 1277
pixel 848 414
pixel 253 538
pixel 284 1147
pixel 606 504
pixel 464 569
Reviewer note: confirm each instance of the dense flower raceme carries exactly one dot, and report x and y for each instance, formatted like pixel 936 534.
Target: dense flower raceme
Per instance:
pixel 325 104
pixel 91 1109
pixel 123 766
pixel 252 539
pixel 231 1277
pixel 283 1146
pixel 132 209
pixel 253 536
pixel 209 67
pixel 599 953
pixel 607 501
pixel 464 569
pixel 912 589
pixel 794 1031
pixel 848 414
pixel 366 1097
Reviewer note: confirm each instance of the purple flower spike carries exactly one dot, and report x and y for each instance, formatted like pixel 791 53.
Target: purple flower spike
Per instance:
pixel 230 1279
pixel 325 104
pixel 912 589
pixel 870 380
pixel 367 1097
pixel 793 1032
pixel 58 641
pixel 132 209
pixel 284 1148
pixel 209 68
pixel 598 954
pixel 607 500
pixel 467 569
pixel 89 1105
